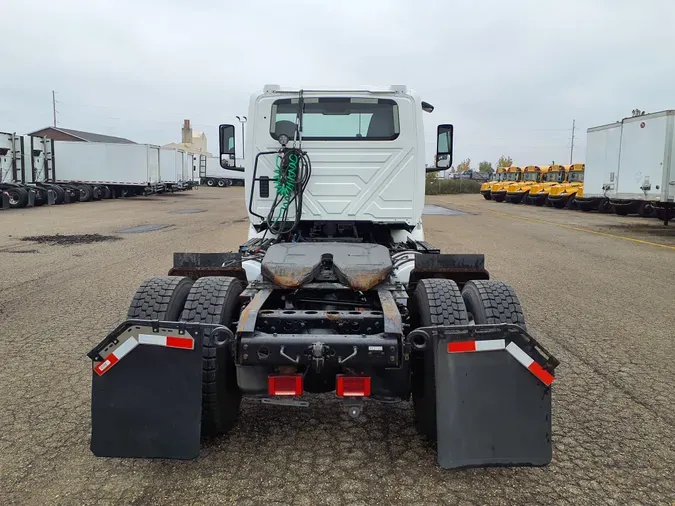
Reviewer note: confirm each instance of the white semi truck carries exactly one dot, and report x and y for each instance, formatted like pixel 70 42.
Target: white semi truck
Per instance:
pixel 335 290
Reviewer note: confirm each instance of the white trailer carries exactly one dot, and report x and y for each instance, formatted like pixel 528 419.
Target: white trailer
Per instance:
pixel 603 146
pixel 632 163
pixel 647 160
pixel 118 170
pixel 214 175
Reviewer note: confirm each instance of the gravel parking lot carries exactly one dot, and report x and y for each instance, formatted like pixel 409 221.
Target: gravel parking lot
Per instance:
pixel 597 290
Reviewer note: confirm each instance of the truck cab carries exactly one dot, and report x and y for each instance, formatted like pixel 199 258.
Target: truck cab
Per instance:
pixel 367 155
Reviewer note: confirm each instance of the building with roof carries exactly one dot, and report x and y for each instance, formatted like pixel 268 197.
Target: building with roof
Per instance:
pixel 66 134
pixel 191 141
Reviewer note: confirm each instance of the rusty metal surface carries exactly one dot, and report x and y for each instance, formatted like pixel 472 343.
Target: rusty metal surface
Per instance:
pixel 392 318
pixel 360 266
pixel 250 312
pixel 362 280
pixel 287 276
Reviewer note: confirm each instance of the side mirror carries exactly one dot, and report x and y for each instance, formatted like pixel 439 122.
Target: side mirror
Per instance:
pixel 444 146
pixel 227 149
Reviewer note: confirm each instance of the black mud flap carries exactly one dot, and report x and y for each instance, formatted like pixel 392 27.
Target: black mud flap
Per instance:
pixel 493 396
pixel 147 389
pixel 4 200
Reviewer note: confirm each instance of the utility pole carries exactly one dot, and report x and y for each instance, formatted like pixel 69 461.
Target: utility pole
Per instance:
pixel 572 147
pixel 242 120
pixel 54 106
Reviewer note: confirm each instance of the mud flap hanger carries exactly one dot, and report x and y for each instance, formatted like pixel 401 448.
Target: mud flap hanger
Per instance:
pixel 493 395
pixel 147 389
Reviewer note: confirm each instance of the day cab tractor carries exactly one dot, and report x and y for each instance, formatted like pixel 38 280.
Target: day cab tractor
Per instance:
pixel 335 292
pixel 487 185
pixel 498 191
pixel 564 194
pixel 518 191
pixel 538 194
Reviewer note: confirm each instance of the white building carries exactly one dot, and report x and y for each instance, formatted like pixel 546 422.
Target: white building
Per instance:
pixel 192 141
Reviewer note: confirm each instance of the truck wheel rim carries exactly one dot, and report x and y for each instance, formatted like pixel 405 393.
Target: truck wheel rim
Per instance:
pixel 13 198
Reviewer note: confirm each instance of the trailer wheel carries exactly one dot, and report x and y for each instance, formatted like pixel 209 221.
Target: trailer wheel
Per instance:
pixel 210 182
pixel 492 302
pixel 215 299
pixel 222 183
pixel 105 192
pixel 18 197
pixel 646 210
pixel 160 298
pixel 60 193
pixel 96 193
pixel 86 192
pixel 434 302
pixel 40 197
pixel 605 206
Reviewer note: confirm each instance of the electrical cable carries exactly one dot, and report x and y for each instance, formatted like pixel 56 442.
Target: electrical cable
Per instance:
pixel 293 170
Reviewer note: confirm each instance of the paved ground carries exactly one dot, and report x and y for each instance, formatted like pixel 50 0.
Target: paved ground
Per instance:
pixel 601 301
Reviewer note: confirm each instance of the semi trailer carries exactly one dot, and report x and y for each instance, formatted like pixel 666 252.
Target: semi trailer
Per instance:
pixel 109 170
pixel 335 291
pixel 633 164
pixel 176 168
pixel 216 175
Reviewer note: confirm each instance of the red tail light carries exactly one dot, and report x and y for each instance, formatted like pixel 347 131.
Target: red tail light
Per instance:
pixel 286 384
pixel 352 386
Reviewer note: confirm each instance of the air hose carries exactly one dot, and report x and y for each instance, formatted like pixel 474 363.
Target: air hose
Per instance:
pixel 293 169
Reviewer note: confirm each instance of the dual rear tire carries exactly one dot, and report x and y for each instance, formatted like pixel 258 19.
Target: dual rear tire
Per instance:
pixel 208 300
pixel 440 302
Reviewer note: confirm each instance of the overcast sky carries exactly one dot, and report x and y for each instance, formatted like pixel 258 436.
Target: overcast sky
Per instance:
pixel 510 75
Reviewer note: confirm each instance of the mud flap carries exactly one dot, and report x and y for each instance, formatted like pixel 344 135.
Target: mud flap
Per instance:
pixel 4 200
pixel 147 390
pixel 493 396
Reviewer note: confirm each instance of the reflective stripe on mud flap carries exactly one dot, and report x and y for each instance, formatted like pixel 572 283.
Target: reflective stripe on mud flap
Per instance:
pixel 469 346
pixel 500 344
pixel 116 356
pixel 542 374
pixel 180 342
pixel 185 343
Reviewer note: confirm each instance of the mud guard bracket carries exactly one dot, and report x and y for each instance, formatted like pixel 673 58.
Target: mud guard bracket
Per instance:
pixel 492 408
pixel 147 389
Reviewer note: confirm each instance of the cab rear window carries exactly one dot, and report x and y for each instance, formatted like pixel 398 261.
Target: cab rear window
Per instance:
pixel 337 119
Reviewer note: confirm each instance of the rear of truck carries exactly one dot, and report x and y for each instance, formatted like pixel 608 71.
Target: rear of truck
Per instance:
pixel 330 295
